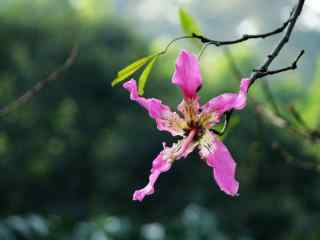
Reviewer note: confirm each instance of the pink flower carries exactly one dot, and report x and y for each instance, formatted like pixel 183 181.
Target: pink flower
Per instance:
pixel 193 125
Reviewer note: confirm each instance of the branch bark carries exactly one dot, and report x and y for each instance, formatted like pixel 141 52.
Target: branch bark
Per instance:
pixel 35 90
pixel 264 67
pixel 245 37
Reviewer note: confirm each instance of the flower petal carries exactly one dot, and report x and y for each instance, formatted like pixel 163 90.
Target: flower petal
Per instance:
pixel 187 74
pixel 219 158
pixel 163 162
pixel 159 165
pixel 166 119
pixel 227 101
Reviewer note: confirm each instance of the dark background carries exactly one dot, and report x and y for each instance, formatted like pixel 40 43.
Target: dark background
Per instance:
pixel 71 159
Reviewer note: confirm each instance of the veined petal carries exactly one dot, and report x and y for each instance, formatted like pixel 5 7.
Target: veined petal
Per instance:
pixel 219 158
pixel 227 101
pixel 187 74
pixel 166 119
pixel 163 162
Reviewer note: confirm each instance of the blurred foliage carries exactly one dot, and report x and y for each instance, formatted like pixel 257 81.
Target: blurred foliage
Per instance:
pixel 188 23
pixel 71 159
pixel 311 111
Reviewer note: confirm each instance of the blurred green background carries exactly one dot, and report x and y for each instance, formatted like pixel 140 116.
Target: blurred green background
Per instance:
pixel 71 159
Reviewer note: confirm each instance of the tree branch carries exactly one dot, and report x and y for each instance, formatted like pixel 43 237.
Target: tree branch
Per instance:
pixel 293 66
pixel 263 70
pixel 283 41
pixel 29 94
pixel 274 115
pixel 246 37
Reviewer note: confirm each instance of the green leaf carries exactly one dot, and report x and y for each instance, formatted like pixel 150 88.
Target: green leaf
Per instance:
pixel 131 69
pixel 188 23
pixel 145 74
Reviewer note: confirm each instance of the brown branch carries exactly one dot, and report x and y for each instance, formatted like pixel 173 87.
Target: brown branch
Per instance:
pixel 263 70
pixel 34 91
pixel 245 37
pixel 274 115
pixel 293 66
pixel 276 118
pixel 264 67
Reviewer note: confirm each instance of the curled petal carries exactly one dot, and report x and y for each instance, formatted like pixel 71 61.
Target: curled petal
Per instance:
pixel 187 74
pixel 166 119
pixel 219 158
pixel 227 101
pixel 163 162
pixel 159 165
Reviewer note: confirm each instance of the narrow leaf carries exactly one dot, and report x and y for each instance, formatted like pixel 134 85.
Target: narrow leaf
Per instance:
pixel 188 23
pixel 137 64
pixel 122 77
pixel 130 69
pixel 145 74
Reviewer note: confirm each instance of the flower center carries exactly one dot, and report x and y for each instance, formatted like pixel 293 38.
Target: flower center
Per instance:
pixel 197 120
pixel 197 128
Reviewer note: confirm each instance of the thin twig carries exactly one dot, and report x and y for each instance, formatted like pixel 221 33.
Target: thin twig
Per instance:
pixel 262 71
pixel 203 48
pixel 277 119
pixel 293 66
pixel 246 37
pixel 34 91
pixel 164 51
pixel 274 115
